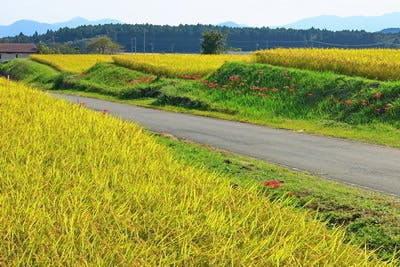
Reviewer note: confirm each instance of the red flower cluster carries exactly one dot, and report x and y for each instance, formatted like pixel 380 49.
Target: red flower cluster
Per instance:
pixel 273 184
pixel 348 102
pixel 142 80
pixel 212 85
pixel 192 77
pixel 378 95
pixel 234 78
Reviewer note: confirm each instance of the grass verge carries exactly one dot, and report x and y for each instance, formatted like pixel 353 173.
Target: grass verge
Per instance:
pixel 369 218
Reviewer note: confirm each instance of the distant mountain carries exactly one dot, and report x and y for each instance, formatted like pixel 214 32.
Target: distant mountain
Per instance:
pixel 28 27
pixel 232 24
pixel 391 30
pixel 335 23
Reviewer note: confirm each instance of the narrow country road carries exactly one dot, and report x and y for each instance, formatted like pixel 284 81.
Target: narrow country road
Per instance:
pixel 367 166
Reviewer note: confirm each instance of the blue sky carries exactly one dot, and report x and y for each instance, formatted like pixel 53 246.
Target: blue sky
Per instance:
pixel 250 12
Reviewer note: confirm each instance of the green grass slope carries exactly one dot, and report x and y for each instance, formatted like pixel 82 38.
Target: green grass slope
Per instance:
pixel 29 72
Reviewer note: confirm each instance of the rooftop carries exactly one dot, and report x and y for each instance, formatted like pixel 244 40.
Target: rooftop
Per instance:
pixel 17 48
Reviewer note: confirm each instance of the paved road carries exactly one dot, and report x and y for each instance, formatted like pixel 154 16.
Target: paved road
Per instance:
pixel 368 166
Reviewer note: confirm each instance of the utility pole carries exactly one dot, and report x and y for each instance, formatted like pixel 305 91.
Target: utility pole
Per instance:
pixel 135 46
pixel 131 45
pixel 144 41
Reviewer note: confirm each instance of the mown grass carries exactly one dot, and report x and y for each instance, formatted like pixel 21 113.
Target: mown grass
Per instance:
pixel 82 188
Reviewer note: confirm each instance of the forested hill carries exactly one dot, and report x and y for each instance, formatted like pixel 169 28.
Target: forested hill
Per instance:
pixel 187 38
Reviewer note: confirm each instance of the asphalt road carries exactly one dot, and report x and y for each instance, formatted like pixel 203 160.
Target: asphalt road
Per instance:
pixel 368 166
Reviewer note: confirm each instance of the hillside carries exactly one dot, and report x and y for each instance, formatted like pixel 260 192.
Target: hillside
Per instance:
pixel 29 27
pixel 335 23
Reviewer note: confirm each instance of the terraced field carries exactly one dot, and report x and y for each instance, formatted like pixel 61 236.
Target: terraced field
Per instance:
pixel 82 188
pixel 72 63
pixel 381 64
pixel 235 88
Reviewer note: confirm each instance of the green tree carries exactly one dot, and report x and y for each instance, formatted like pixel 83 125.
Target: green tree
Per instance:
pixel 103 45
pixel 44 49
pixel 213 42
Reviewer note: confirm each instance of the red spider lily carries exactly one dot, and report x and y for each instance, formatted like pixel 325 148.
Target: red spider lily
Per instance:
pixel 286 87
pixel 274 89
pixel 239 92
pixel 212 85
pixel 348 102
pixel 273 184
pixel 264 89
pixel 378 109
pixel 254 88
pixel 225 86
pixel 142 80
pixel 234 78
pixel 292 91
pixel 310 94
pixel 378 95
pixel 192 77
pixel 106 111
pixel 364 102
pixel 372 105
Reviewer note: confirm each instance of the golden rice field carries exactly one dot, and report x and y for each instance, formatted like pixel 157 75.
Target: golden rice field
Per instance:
pixel 177 65
pixel 81 188
pixel 72 63
pixel 381 64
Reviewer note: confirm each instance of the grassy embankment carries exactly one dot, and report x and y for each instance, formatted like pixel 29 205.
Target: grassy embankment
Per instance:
pixel 82 188
pixel 315 102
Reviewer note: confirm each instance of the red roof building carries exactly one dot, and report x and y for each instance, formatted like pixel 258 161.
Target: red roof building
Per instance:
pixel 10 51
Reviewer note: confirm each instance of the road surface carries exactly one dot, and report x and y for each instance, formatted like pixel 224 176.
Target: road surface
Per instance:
pixel 368 166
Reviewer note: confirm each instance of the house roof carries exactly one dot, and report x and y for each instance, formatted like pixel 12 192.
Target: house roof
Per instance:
pixel 17 48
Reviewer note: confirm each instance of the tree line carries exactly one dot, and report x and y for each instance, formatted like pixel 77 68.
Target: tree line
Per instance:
pixel 188 38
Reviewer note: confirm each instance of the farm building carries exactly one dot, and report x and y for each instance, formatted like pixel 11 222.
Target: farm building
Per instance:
pixel 10 51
